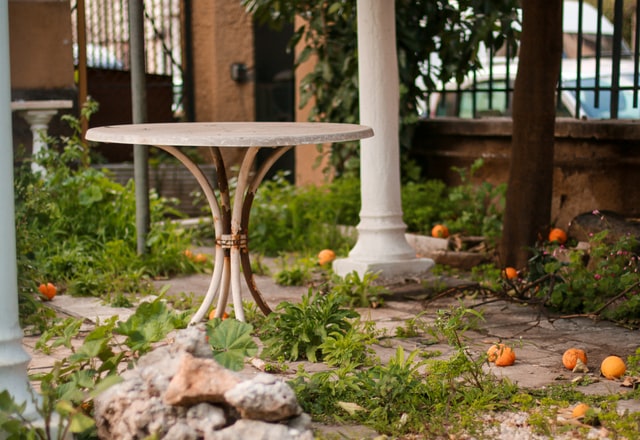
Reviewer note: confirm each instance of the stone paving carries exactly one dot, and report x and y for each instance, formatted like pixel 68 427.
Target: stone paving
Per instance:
pixel 538 340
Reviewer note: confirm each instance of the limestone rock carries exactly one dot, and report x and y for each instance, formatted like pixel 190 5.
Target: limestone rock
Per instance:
pixel 258 430
pixel 179 392
pixel 199 380
pixel 264 397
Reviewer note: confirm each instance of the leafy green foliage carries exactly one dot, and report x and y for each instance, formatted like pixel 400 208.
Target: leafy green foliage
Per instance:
pixel 297 331
pixel 231 342
pixel 287 218
pixel 76 228
pixel 603 281
pixel 423 29
pixel 360 292
pixel 407 395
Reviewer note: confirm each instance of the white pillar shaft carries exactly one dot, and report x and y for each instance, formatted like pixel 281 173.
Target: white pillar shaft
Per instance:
pixel 381 245
pixel 13 358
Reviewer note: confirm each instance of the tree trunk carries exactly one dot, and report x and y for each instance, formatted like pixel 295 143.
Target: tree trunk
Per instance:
pixel 528 201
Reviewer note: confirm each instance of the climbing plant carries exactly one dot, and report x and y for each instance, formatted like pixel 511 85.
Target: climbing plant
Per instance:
pixel 449 33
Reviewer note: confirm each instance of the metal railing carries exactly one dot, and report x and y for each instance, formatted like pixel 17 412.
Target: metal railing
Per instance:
pixel 106 32
pixel 599 73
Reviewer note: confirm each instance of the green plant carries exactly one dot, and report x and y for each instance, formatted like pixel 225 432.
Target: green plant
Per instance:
pixel 286 218
pixel 297 331
pixel 408 395
pixel 606 285
pixel 76 228
pixel 359 292
pixel 231 342
pixel 350 348
pixel 106 351
pixel 424 29
pixel 475 208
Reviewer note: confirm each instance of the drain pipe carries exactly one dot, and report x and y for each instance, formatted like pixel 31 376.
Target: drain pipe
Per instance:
pixel 139 112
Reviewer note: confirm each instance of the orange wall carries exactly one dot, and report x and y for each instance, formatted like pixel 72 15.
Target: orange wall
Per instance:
pixel 222 35
pixel 40 44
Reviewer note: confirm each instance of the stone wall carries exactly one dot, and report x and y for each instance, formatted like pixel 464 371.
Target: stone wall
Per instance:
pixel 596 163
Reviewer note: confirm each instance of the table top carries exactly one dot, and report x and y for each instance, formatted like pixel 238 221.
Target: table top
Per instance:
pixel 229 134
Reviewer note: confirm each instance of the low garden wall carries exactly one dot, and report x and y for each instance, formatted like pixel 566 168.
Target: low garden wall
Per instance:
pixel 596 163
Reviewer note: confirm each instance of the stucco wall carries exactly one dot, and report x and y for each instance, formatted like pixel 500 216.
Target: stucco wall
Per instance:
pixel 40 44
pixel 222 35
pixel 596 163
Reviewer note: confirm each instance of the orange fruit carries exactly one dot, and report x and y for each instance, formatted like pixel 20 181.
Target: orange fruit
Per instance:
pixel 510 273
pixel 557 235
pixel 188 254
pixel 200 258
pixel 48 290
pixel 570 358
pixel 326 256
pixel 579 410
pixel 501 355
pixel 440 231
pixel 613 367
pixel 212 314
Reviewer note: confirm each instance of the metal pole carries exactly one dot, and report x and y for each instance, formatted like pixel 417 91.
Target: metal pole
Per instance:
pixel 139 112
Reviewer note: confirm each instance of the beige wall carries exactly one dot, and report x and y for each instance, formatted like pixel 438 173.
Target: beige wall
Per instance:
pixel 40 44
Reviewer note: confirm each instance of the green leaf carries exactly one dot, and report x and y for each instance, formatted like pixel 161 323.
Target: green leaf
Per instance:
pixel 231 342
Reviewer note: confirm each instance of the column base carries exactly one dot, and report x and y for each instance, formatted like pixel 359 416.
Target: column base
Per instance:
pixel 390 271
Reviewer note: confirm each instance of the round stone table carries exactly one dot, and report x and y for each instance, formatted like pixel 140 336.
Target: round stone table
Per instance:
pixel 230 222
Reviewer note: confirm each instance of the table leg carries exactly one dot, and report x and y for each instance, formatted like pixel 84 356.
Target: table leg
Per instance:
pixel 258 177
pixel 218 277
pixel 231 228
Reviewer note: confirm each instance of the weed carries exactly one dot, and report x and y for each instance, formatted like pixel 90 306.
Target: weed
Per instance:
pixel 360 292
pixel 297 331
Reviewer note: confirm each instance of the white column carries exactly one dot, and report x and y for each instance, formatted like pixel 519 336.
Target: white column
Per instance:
pixel 381 246
pixel 13 358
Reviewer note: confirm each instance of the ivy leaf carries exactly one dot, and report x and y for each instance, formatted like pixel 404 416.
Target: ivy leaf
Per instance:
pixel 231 341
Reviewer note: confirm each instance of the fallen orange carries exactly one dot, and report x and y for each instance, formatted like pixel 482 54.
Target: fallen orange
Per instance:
pixel 501 355
pixel 613 367
pixel 580 410
pixel 212 314
pixel 510 273
pixel 200 258
pixel 326 256
pixel 557 235
pixel 570 358
pixel 48 290
pixel 440 231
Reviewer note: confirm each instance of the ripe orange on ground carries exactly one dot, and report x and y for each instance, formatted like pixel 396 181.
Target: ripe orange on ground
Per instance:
pixel 510 273
pixel 188 254
pixel 558 235
pixel 440 231
pixel 200 258
pixel 501 355
pixel 579 410
pixel 326 256
pixel 570 358
pixel 48 290
pixel 613 367
pixel 212 314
